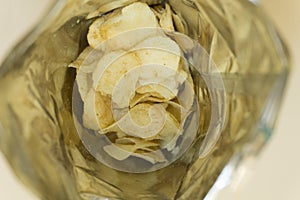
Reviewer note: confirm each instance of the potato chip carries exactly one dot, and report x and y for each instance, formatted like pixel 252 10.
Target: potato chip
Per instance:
pixel 166 20
pixel 140 85
pixel 103 110
pixel 134 16
pixel 113 72
pixel 120 154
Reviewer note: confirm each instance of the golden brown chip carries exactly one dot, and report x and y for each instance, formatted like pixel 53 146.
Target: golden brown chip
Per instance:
pixel 103 110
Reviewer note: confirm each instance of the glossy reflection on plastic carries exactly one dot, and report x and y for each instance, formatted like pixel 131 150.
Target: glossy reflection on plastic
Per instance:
pixel 1 135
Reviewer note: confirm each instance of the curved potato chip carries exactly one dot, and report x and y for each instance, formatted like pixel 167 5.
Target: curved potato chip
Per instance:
pixel 180 27
pixel 138 98
pixel 81 60
pixel 143 120
pixel 169 132
pixel 88 118
pixel 113 72
pixel 157 91
pixel 147 98
pixel 94 34
pixel 134 16
pixel 159 50
pixel 103 110
pixel 121 154
pixel 166 20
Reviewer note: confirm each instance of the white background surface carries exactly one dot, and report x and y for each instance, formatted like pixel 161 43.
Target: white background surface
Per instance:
pixel 275 176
